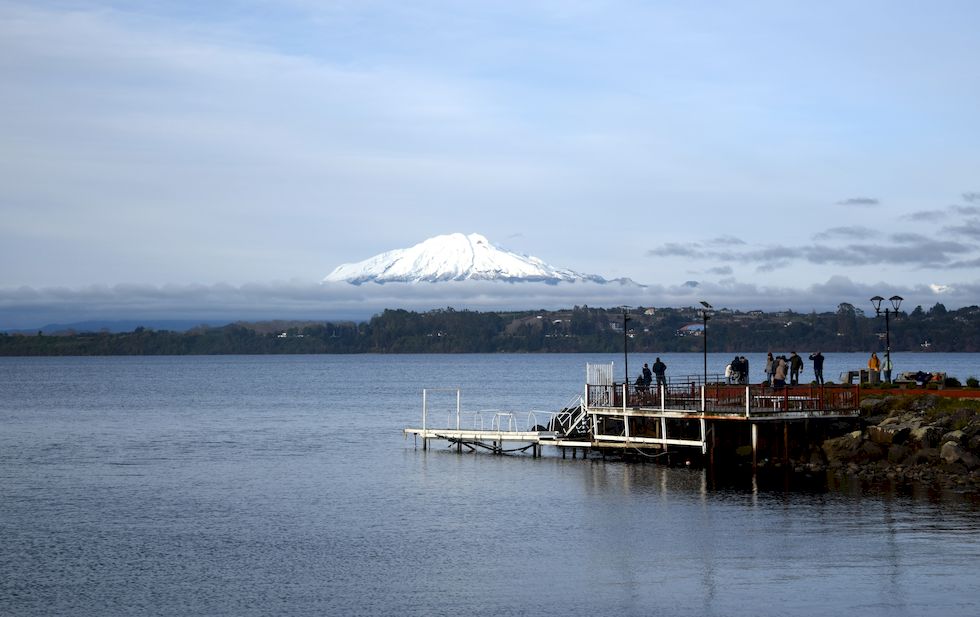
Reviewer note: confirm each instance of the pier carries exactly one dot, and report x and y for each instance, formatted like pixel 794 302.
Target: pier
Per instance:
pixel 703 421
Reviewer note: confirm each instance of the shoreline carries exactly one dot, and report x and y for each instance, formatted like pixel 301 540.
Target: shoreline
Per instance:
pixel 929 438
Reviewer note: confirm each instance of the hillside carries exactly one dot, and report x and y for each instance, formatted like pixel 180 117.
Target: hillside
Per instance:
pixel 580 329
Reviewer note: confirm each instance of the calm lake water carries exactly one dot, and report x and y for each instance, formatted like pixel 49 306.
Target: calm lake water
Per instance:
pixel 282 485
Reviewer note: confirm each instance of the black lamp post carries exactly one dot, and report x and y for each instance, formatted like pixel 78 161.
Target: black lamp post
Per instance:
pixel 896 302
pixel 626 365
pixel 704 335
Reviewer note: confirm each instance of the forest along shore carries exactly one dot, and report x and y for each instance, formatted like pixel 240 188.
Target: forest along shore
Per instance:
pixel 924 438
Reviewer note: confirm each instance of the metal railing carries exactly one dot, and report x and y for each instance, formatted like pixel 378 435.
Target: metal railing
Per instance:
pixel 691 394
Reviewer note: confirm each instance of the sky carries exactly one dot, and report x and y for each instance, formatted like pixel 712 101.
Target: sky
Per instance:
pixel 220 158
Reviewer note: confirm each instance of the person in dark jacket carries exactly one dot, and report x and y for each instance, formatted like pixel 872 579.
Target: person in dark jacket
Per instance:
pixel 659 369
pixel 737 371
pixel 817 367
pixel 795 366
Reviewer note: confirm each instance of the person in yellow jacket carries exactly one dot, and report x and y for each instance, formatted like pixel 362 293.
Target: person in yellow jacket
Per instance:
pixel 874 368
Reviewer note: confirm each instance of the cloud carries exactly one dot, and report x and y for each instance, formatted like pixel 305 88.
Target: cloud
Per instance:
pixel 971 196
pixel 850 232
pixel 728 241
pixel 926 215
pixel 858 201
pixel 964 264
pixel 970 229
pixel 674 249
pixel 942 214
pixel 910 249
pixel 720 270
pixel 27 308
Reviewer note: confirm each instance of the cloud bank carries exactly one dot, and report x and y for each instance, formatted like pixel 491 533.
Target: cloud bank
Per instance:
pixel 26 308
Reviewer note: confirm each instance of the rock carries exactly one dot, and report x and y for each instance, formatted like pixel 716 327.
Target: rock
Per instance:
pixel 888 434
pixel 926 436
pixel 925 456
pixel 898 453
pixel 840 450
pixel 953 454
pixel 869 452
pixel 956 436
pixel 924 403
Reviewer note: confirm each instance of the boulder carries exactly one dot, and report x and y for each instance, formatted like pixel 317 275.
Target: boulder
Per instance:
pixel 871 452
pixel 926 436
pixel 924 403
pixel 925 456
pixel 841 450
pixel 953 454
pixel 888 434
pixel 956 436
pixel 898 453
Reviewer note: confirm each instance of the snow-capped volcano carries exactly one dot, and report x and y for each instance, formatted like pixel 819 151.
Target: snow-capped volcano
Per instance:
pixel 453 257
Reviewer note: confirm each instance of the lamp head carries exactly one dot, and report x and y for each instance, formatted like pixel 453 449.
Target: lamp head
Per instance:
pixel 896 301
pixel 876 302
pixel 705 304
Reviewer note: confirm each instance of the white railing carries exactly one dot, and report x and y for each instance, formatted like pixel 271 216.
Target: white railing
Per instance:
pixel 498 420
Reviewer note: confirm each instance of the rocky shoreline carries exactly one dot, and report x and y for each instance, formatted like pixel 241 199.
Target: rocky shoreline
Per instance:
pixel 927 439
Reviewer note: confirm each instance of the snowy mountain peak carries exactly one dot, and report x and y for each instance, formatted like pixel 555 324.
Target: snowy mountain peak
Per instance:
pixel 453 257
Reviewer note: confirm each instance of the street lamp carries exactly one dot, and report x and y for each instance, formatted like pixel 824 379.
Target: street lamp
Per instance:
pixel 704 335
pixel 896 302
pixel 626 366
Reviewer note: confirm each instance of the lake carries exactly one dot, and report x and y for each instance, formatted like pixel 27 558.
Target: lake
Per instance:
pixel 282 485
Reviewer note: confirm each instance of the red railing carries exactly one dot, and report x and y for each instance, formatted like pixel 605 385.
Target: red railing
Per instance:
pixel 723 398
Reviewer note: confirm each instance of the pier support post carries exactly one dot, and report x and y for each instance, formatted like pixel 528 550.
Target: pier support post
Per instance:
pixel 425 442
pixel 785 443
pixel 704 437
pixel 711 449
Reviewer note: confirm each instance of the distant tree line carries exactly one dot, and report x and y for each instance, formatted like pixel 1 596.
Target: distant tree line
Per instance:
pixel 580 329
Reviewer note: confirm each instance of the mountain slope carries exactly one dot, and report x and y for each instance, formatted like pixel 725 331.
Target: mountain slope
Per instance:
pixel 453 257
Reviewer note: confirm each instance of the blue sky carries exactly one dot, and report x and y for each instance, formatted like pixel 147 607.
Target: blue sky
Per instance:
pixel 775 153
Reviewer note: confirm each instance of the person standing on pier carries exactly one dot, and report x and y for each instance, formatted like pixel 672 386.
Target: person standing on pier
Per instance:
pixel 647 375
pixel 779 376
pixel 659 369
pixel 795 366
pixel 770 367
pixel 736 370
pixel 874 366
pixel 817 367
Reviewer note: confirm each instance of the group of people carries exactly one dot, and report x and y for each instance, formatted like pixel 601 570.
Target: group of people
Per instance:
pixel 737 371
pixel 878 368
pixel 645 378
pixel 778 368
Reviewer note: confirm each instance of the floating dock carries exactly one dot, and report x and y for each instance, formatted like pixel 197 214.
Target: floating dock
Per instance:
pixel 704 421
